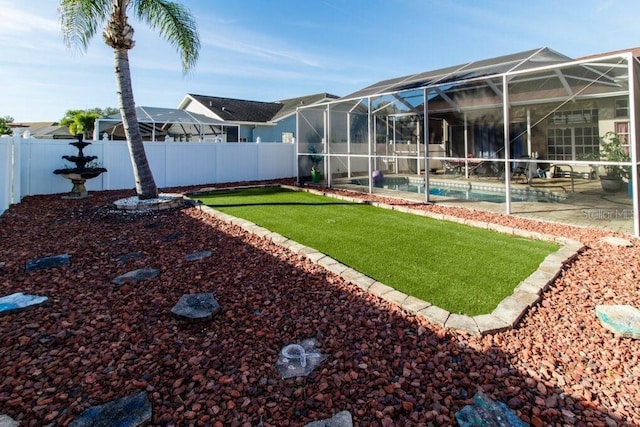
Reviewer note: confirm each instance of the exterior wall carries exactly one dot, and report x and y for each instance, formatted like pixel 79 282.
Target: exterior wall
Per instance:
pixel 172 164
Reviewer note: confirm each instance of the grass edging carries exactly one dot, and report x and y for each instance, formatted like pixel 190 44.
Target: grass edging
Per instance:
pixel 505 316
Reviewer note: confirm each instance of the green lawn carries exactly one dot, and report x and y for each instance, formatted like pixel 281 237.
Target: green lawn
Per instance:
pixel 459 268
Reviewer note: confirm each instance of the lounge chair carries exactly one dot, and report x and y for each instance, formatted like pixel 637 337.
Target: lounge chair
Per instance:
pixel 451 167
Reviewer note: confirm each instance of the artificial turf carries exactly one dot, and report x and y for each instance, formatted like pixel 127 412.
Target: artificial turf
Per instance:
pixel 459 268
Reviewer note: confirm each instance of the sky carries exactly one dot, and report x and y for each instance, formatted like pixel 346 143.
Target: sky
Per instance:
pixel 268 50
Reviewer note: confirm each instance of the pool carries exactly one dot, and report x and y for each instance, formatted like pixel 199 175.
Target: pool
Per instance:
pixel 463 191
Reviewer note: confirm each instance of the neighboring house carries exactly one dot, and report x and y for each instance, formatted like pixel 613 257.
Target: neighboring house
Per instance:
pixel 164 124
pixel 256 120
pixel 45 130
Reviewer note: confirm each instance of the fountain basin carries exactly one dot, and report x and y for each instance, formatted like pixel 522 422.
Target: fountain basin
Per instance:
pixel 74 173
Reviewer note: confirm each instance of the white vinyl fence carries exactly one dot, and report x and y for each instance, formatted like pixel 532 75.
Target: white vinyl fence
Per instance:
pixel 27 165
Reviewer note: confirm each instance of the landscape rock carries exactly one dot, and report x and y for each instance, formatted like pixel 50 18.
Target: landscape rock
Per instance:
pixel 47 262
pixel 341 419
pixel 200 306
pixel 622 320
pixel 198 255
pixel 129 411
pixel 7 421
pixel 485 412
pixel 19 301
pixel 136 276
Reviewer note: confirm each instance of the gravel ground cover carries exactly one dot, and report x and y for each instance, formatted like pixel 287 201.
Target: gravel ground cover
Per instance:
pixel 94 341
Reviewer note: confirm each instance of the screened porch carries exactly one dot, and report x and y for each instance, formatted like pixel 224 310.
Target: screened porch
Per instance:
pixel 518 133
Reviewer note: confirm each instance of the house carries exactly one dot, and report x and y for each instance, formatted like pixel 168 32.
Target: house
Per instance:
pixel 45 130
pixel 256 120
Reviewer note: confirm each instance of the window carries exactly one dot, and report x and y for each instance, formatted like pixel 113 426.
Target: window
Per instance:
pixel 622 108
pixel 574 134
pixel 287 137
pixel 622 129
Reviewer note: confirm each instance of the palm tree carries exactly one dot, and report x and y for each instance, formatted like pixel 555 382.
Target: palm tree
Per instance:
pixel 80 19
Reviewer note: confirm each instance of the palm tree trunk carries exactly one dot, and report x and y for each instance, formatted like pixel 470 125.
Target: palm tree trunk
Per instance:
pixel 145 185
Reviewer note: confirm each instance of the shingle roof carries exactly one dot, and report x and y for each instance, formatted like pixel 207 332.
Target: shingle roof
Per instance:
pixel 47 130
pixel 239 110
pixel 290 105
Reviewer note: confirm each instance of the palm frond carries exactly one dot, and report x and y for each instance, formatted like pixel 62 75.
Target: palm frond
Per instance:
pixel 175 23
pixel 81 19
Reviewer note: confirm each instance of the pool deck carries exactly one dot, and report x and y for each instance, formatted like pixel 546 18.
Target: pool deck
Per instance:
pixel 584 202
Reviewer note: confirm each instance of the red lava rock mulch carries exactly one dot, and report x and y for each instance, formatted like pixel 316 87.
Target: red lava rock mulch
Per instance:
pixel 94 341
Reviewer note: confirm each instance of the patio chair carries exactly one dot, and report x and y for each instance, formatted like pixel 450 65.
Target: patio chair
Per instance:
pixel 486 169
pixel 450 167
pixel 523 169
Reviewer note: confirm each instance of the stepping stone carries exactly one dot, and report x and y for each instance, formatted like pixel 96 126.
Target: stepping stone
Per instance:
pixel 170 237
pixel 129 411
pixel 622 320
pixel 486 412
pixel 18 301
pixel 198 255
pixel 196 306
pixel 122 259
pixel 617 241
pixel 7 421
pixel 136 276
pixel 47 262
pixel 341 419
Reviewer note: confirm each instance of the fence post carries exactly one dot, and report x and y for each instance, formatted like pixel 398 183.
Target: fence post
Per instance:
pixel 15 191
pixel 5 173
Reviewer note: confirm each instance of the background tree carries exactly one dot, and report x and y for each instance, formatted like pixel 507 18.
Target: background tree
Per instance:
pixel 80 122
pixel 83 121
pixel 80 20
pixel 4 128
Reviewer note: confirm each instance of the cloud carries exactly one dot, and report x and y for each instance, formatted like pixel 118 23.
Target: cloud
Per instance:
pixel 256 46
pixel 24 20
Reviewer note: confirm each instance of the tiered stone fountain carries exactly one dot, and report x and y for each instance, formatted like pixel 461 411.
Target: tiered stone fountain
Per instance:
pixel 81 173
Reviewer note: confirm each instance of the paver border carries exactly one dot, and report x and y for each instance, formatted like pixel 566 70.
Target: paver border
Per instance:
pixel 505 316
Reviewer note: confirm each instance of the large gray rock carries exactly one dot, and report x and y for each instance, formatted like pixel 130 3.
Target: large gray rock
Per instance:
pixel 196 306
pixel 129 411
pixel 622 320
pixel 136 276
pixel 484 412
pixel 341 419
pixel 197 255
pixel 47 262
pixel 7 421
pixel 19 301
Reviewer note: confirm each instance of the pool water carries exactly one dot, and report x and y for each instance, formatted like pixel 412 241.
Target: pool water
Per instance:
pixel 457 192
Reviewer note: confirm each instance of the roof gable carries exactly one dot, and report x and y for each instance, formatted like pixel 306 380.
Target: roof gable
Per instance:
pixel 289 106
pixel 239 110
